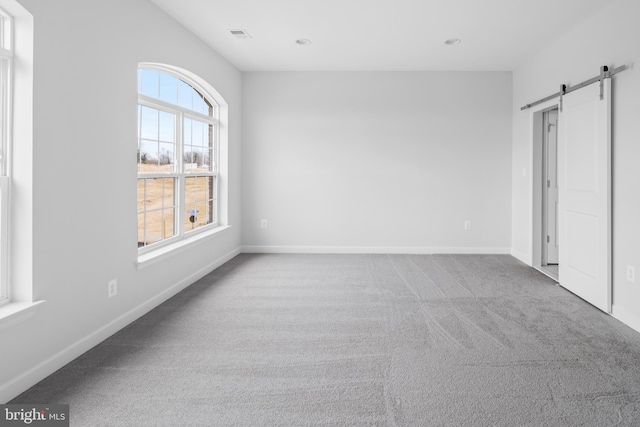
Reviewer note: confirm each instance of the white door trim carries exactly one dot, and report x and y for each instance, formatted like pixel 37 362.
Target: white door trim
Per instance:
pixel 535 179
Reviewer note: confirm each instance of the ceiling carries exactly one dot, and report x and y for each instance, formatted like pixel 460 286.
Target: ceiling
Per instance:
pixel 380 35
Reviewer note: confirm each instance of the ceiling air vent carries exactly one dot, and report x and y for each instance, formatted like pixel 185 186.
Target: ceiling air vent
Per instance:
pixel 240 34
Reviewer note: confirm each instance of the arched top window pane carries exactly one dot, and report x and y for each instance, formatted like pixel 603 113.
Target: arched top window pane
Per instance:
pixel 173 90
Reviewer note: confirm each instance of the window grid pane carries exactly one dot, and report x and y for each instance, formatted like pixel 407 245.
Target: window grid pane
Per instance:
pixel 156 141
pixel 185 95
pixel 168 88
pixel 198 146
pixel 156 209
pixel 167 127
pixel 199 199
pixel 4 75
pixel 2 30
pixel 150 83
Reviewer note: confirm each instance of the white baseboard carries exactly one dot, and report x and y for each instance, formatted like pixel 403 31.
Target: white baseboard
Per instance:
pixel 27 379
pixel 629 319
pixel 526 258
pixel 371 250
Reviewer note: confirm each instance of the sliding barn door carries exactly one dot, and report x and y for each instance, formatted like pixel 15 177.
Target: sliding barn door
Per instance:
pixel 584 166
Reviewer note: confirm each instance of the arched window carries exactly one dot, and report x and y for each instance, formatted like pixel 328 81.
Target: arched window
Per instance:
pixel 177 158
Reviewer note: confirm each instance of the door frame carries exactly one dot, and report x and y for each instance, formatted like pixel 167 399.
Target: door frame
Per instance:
pixel 536 133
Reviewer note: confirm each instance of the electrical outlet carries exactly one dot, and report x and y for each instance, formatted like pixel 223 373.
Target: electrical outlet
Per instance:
pixel 467 225
pixel 263 223
pixel 112 288
pixel 631 273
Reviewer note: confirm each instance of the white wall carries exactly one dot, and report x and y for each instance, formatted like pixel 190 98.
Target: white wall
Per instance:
pixel 377 161
pixel 608 38
pixel 84 192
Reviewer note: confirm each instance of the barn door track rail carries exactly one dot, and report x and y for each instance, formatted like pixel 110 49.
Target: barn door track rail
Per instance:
pixel 605 73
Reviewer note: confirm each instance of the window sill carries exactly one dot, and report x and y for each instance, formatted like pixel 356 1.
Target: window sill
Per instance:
pixel 167 251
pixel 15 312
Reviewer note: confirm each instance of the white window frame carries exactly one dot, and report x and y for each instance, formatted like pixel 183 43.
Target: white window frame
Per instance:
pixel 179 172
pixel 6 100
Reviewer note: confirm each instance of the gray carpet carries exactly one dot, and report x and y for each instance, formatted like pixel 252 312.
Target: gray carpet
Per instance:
pixel 360 340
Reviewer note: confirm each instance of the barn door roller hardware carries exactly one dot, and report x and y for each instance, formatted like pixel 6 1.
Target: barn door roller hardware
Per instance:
pixel 605 73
